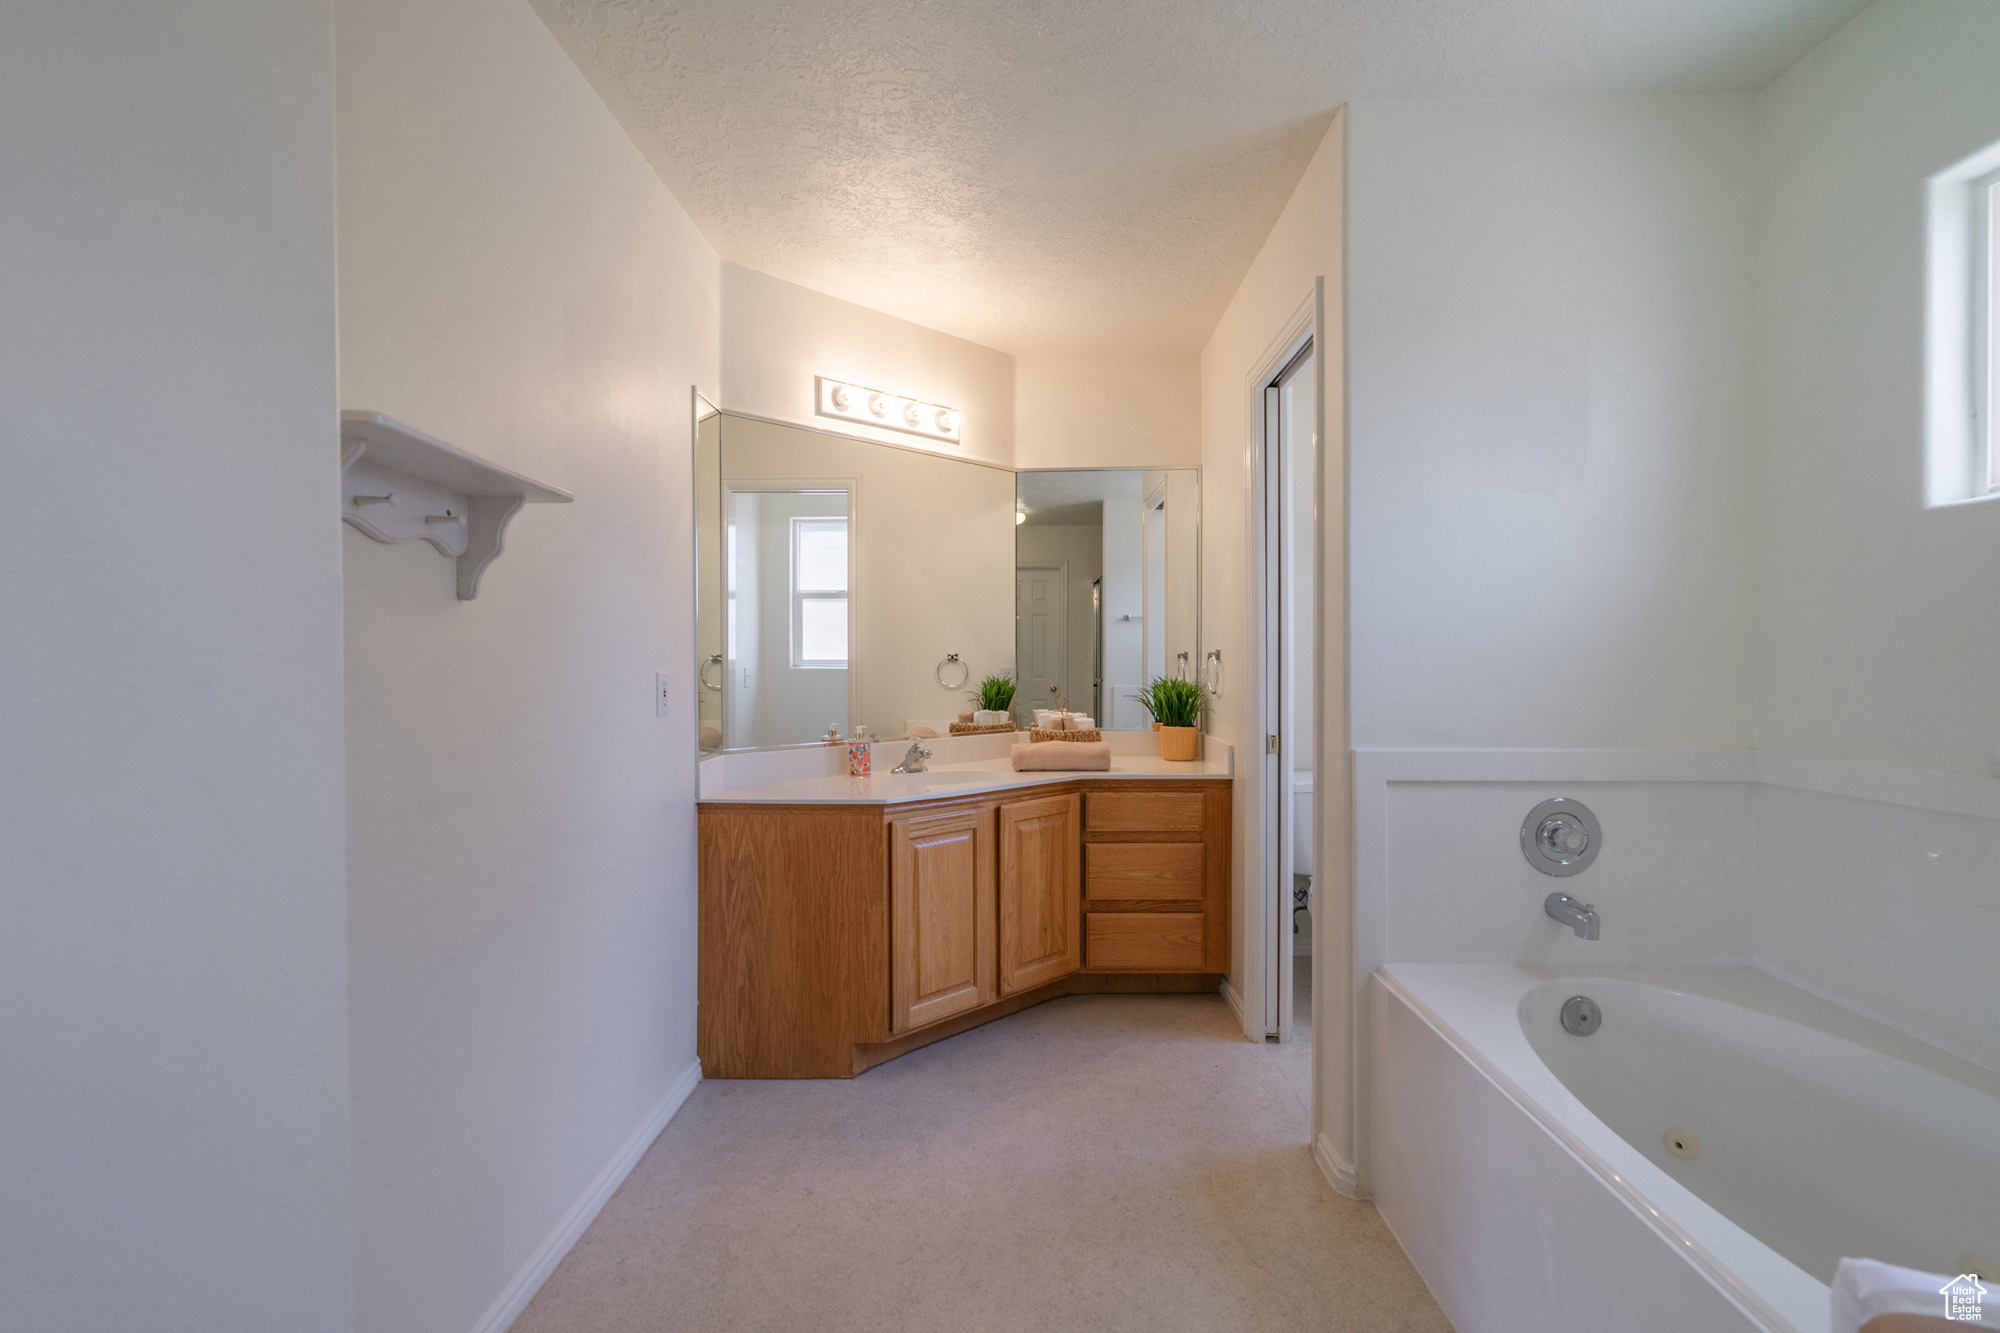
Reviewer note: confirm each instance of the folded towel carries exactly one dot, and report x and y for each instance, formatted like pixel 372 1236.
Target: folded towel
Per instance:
pixel 1048 734
pixel 1865 1291
pixel 1087 756
pixel 980 729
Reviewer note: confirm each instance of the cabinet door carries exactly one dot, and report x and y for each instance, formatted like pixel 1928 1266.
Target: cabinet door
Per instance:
pixel 941 917
pixel 1040 885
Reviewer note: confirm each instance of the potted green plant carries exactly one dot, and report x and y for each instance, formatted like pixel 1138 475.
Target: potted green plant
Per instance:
pixel 1176 706
pixel 994 695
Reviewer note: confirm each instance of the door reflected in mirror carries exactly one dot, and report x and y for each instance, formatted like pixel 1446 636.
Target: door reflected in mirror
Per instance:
pixel 1107 567
pixel 786 612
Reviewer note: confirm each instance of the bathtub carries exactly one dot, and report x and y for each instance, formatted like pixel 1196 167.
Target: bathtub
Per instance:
pixel 1528 1173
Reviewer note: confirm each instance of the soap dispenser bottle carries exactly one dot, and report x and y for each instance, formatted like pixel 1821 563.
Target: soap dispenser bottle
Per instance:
pixel 860 761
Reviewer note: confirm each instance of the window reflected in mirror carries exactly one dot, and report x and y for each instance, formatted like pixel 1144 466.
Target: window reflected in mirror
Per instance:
pixel 837 576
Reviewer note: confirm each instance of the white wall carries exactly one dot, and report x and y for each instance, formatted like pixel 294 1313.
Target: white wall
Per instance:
pixel 777 335
pixel 1549 322
pixel 173 1111
pixel 1305 245
pixel 1886 906
pixel 1671 885
pixel 1106 410
pixel 1876 635
pixel 515 279
pixel 1876 638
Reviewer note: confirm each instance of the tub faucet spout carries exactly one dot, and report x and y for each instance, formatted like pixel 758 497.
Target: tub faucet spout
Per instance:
pixel 1579 917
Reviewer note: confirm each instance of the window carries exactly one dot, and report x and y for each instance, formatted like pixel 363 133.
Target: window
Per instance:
pixel 1962 332
pixel 819 592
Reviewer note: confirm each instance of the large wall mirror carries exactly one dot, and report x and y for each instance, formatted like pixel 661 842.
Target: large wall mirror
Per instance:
pixel 1107 587
pixel 844 584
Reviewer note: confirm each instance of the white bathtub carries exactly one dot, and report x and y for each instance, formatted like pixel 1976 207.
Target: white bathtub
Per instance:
pixel 1525 1170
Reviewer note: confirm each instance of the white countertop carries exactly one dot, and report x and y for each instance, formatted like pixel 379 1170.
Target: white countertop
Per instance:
pixel 960 779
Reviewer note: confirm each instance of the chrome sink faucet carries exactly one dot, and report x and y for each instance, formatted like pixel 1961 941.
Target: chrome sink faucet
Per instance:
pixel 913 762
pixel 1579 917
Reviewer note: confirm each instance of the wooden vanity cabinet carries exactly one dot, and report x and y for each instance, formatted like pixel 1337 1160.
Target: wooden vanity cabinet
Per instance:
pixel 1041 885
pixel 833 937
pixel 941 916
pixel 1156 877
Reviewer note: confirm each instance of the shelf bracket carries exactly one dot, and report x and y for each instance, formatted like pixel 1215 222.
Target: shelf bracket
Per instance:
pixel 398 484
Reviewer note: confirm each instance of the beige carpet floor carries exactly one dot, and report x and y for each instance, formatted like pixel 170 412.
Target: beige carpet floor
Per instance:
pixel 1095 1163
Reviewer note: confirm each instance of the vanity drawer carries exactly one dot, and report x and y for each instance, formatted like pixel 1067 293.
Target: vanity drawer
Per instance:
pixel 1143 941
pixel 1143 812
pixel 1143 869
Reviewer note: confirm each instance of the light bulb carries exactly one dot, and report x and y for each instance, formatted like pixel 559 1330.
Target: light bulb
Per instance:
pixel 1020 517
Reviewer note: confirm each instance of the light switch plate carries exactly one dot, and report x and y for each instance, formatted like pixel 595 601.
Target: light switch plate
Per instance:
pixel 661 693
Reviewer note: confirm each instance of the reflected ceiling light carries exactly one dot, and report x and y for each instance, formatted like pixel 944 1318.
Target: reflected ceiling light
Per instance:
pixel 890 411
pixel 1020 517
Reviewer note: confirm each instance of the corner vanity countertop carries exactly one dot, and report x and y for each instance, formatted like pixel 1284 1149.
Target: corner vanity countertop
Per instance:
pixel 966 778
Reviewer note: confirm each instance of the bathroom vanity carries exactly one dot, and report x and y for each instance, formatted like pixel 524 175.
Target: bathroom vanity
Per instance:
pixel 857 588
pixel 845 922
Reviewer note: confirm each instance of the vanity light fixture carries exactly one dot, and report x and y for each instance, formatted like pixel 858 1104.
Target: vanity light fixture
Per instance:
pixel 876 407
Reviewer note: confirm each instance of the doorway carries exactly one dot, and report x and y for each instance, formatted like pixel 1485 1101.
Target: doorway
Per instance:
pixel 1290 466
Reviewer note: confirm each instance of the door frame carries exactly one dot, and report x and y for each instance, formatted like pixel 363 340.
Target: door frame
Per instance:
pixel 1267 962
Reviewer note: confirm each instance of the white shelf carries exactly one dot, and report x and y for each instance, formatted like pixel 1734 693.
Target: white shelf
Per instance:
pixel 398 484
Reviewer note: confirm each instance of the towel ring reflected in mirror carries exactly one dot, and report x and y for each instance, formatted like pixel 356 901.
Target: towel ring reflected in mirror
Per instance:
pixel 964 672
pixel 714 660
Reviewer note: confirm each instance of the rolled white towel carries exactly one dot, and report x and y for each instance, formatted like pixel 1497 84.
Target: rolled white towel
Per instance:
pixel 1865 1289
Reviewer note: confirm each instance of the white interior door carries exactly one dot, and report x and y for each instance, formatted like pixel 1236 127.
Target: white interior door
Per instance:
pixel 1041 633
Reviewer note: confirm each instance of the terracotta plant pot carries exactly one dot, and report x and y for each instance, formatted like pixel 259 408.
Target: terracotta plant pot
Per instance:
pixel 1178 742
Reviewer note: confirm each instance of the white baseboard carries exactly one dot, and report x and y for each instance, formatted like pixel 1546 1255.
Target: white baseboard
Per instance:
pixel 550 1252
pixel 1235 1003
pixel 1341 1175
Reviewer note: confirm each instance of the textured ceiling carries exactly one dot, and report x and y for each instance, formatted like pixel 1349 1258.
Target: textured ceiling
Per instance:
pixel 1074 497
pixel 1066 174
